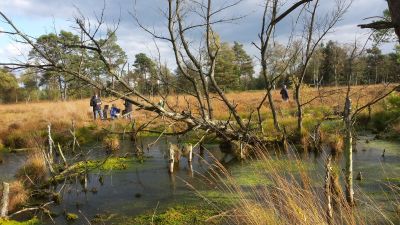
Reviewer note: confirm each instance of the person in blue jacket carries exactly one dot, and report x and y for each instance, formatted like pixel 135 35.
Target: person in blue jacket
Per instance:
pixel 114 113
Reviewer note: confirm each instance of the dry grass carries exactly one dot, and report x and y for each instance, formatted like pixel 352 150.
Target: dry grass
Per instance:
pixel 34 172
pixel 19 121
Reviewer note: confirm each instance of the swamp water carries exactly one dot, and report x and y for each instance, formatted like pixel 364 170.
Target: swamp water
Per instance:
pixel 146 187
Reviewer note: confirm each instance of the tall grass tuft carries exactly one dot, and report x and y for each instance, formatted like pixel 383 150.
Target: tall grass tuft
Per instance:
pixel 35 171
pixel 289 197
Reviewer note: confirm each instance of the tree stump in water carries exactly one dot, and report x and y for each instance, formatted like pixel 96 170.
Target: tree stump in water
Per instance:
pixel 172 151
pixel 236 148
pixel 359 176
pixel 202 149
pixel 187 151
pixel 175 152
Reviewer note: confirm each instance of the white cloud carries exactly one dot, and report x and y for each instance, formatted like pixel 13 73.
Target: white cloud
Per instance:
pixel 347 34
pixel 18 4
pixel 134 40
pixel 14 51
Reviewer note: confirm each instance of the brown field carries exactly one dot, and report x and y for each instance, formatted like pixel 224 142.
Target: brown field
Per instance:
pixel 30 117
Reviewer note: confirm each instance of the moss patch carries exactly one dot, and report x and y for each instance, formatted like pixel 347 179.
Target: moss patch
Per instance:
pixel 114 163
pixel 33 221
pixel 255 173
pixel 71 216
pixel 178 215
pixel 220 197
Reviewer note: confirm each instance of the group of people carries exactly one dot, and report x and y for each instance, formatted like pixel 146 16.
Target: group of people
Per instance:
pixel 114 112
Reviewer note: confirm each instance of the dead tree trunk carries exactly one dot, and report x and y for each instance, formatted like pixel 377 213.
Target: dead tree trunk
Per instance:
pixel 394 8
pixel 5 200
pixel 299 111
pixel 348 153
pixel 328 191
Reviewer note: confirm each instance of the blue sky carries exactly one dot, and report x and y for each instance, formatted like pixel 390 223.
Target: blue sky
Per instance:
pixel 37 17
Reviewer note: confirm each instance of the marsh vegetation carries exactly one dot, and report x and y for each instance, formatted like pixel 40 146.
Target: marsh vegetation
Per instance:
pixel 211 142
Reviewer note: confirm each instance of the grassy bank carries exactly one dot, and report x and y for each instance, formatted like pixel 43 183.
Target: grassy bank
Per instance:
pixel 25 125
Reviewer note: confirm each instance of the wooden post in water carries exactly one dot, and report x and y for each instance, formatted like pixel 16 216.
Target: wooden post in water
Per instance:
pixel 49 156
pixel 190 169
pixel 171 158
pixel 241 150
pixel 62 155
pixel 50 144
pixel 74 135
pixel 190 157
pixel 328 193
pixel 202 148
pixel 4 200
pixel 85 186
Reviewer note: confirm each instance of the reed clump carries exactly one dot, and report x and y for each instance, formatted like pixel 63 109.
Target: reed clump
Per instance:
pixel 111 143
pixel 35 171
pixel 17 139
pixel 336 143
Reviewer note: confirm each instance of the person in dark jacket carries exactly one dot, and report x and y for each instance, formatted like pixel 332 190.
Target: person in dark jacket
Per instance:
pixel 95 102
pixel 128 109
pixel 105 111
pixel 284 93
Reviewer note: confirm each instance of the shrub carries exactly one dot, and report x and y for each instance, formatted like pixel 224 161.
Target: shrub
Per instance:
pixel 394 101
pixel 380 120
pixel 14 126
